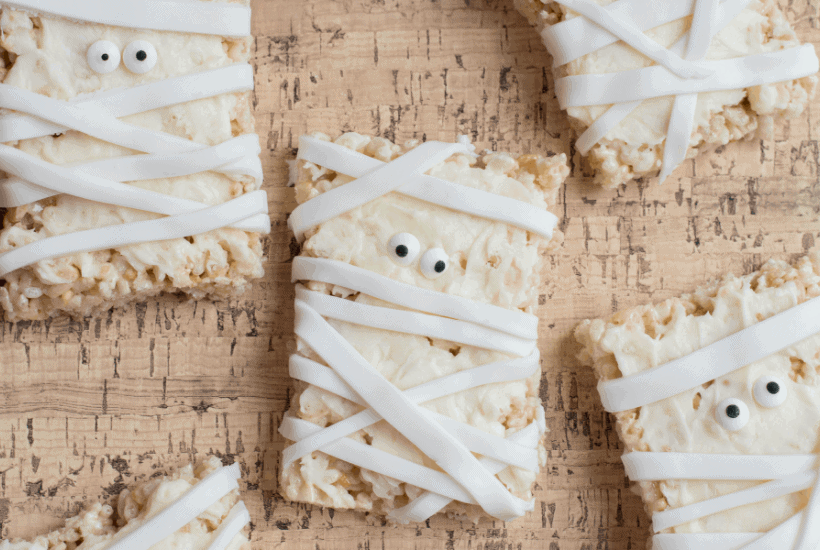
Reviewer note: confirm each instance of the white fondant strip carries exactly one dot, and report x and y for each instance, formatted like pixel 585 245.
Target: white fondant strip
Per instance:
pixel 657 81
pixel 161 15
pixel 370 186
pixel 808 536
pixel 516 323
pixel 195 501
pixel 113 236
pixel 751 344
pixel 773 489
pixel 406 417
pixel 702 541
pixel 621 27
pixel 430 189
pixel 410 322
pixel 659 466
pixel 122 102
pixel 230 527
pixel 429 504
pixel 476 440
pixel 371 458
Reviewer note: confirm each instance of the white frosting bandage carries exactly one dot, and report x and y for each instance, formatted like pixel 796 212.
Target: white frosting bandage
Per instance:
pixel 193 503
pixel 681 70
pixel 785 474
pixel 165 155
pixel 450 444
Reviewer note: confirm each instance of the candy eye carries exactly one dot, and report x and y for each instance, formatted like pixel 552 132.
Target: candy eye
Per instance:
pixel 434 263
pixel 103 56
pixel 769 391
pixel 404 248
pixel 139 56
pixel 732 414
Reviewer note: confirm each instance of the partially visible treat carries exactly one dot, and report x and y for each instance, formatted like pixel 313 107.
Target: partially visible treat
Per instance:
pixel 101 524
pixel 635 148
pixel 760 418
pixel 48 55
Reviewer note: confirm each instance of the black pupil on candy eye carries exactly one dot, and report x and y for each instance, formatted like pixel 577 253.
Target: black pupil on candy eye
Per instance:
pixel 772 387
pixel 401 251
pixel 440 266
pixel 105 57
pixel 732 411
pixel 141 55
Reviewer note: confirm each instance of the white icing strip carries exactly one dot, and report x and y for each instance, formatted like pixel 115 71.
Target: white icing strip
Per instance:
pixel 657 81
pixel 751 344
pixel 406 417
pixel 37 179
pixel 230 527
pixel 808 536
pixel 113 236
pixel 161 15
pixel 773 489
pixel 429 503
pixel 578 36
pixel 410 322
pixel 476 440
pixel 659 466
pixel 430 189
pixel 122 102
pixel 372 185
pixel 371 458
pixel 621 27
pixel 517 323
pixel 195 501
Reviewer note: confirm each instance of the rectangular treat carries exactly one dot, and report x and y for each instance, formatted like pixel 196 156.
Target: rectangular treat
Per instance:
pixel 738 413
pixel 483 261
pixel 635 147
pixel 141 520
pixel 49 55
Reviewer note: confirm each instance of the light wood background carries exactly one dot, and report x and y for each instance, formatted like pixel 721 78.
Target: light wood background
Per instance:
pixel 87 406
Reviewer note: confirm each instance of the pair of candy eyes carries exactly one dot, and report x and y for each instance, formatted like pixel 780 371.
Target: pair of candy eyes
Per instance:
pixel 733 414
pixel 104 57
pixel 405 247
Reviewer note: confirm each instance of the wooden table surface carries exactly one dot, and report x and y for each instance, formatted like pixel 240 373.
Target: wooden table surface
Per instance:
pixel 89 405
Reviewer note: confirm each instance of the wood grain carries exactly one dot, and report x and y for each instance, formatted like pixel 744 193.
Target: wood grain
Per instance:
pixel 88 406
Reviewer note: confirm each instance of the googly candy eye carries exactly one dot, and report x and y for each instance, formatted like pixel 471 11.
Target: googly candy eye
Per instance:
pixel 103 56
pixel 769 391
pixel 139 56
pixel 732 414
pixel 404 247
pixel 434 263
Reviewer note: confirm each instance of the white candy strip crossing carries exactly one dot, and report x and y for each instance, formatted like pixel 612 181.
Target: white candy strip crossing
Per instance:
pixel 232 525
pixel 411 322
pixel 408 418
pixel 729 354
pixel 657 466
pixel 194 502
pixel 113 236
pixel 685 77
pixel 101 181
pixel 162 15
pixel 476 440
pixel 411 183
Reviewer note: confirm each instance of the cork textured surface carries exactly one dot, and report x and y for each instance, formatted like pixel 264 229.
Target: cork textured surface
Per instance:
pixel 88 406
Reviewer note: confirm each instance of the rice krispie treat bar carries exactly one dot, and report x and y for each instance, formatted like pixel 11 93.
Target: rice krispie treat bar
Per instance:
pixel 191 509
pixel 647 84
pixel 416 369
pixel 130 162
pixel 717 401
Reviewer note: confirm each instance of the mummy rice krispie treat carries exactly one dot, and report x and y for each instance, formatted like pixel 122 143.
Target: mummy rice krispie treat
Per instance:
pixel 129 162
pixel 191 509
pixel 717 401
pixel 416 369
pixel 648 84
